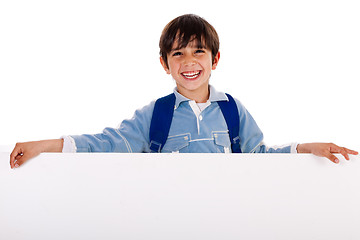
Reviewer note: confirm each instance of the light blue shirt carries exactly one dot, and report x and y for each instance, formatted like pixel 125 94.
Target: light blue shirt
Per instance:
pixel 195 128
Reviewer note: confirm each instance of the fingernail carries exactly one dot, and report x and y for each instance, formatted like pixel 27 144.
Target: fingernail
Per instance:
pixel 16 165
pixel 336 160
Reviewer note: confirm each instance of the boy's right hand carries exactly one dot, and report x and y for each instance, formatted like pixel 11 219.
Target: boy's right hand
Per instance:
pixel 25 151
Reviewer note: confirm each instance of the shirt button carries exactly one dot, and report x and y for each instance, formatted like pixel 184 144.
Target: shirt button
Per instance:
pixel 200 118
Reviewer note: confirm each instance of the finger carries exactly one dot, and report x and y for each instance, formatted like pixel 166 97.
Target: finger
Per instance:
pixel 351 151
pixel 336 149
pixel 332 157
pixel 21 160
pixel 17 160
pixel 341 150
pixel 344 153
pixel 15 153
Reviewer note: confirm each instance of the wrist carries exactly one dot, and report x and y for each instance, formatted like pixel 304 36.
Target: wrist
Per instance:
pixel 53 145
pixel 303 148
pixel 299 148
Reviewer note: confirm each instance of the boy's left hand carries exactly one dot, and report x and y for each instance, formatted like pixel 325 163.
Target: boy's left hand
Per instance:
pixel 325 150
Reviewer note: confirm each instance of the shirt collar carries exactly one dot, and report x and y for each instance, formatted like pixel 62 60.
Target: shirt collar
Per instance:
pixel 214 96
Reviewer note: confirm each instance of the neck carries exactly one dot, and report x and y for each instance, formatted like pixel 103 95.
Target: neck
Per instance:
pixel 198 95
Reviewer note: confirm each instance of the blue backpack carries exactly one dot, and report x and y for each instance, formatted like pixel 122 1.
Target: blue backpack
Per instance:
pixel 163 114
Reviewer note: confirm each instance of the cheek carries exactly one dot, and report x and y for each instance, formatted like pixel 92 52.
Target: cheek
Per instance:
pixel 207 65
pixel 173 67
pixel 206 62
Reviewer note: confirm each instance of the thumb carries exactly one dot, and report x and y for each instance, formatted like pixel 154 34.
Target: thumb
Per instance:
pixel 21 159
pixel 332 157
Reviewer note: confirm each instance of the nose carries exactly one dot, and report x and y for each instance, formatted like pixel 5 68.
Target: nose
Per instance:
pixel 189 60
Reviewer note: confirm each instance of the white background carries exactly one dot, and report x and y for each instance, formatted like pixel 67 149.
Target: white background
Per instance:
pixel 73 67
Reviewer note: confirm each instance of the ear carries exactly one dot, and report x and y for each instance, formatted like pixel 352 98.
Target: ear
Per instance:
pixel 216 61
pixel 164 65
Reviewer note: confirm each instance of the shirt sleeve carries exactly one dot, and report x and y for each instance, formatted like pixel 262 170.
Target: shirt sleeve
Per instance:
pixel 131 136
pixel 287 148
pixel 69 145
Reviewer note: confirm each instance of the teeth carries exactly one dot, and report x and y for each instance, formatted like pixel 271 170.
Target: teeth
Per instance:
pixel 191 75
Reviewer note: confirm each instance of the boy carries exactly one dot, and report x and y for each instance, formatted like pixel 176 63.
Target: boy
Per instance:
pixel 189 49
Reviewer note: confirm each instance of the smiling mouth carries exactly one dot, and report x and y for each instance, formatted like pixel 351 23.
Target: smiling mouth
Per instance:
pixel 191 75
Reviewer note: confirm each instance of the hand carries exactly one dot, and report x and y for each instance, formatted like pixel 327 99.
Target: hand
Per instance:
pixel 24 151
pixel 325 150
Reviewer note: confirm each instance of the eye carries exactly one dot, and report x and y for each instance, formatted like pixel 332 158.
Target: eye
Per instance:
pixel 176 54
pixel 199 51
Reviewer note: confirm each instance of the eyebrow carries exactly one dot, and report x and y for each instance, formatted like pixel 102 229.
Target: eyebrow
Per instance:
pixel 178 48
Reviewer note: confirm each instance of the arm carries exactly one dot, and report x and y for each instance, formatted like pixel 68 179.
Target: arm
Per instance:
pixel 325 150
pixel 287 148
pixel 131 136
pixel 252 138
pixel 25 151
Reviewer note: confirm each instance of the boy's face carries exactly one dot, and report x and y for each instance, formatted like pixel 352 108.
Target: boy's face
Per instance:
pixel 191 68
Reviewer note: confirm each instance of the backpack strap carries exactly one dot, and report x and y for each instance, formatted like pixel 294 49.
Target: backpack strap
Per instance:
pixel 163 114
pixel 231 114
pixel 161 122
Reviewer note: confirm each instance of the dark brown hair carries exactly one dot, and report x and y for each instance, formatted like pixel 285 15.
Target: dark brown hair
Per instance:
pixel 187 28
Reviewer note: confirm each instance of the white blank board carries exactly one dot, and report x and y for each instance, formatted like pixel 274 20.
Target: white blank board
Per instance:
pixel 180 196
